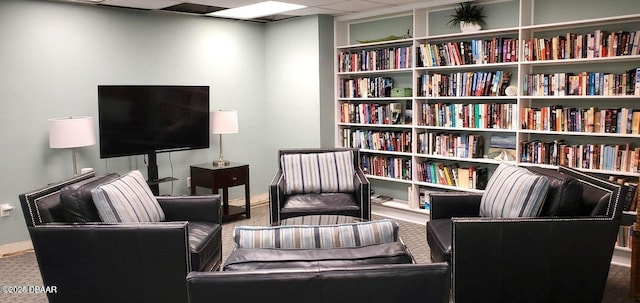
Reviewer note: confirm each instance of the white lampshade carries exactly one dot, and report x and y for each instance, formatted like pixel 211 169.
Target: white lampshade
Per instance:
pixel 224 122
pixel 70 132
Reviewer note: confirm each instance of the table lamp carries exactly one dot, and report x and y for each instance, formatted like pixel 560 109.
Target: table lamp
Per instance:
pixel 223 122
pixel 71 132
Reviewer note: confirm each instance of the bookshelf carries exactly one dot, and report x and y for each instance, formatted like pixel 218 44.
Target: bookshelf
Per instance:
pixel 501 84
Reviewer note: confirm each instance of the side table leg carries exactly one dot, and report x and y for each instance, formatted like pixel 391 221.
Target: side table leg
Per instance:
pixel 634 289
pixel 225 202
pixel 247 200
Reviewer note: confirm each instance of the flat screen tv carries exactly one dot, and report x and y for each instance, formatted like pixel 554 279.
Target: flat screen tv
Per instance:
pixel 148 119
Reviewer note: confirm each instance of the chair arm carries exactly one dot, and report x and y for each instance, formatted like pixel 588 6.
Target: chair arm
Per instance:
pixel 191 208
pixel 113 262
pixel 363 193
pixel 447 205
pixel 276 196
pixel 494 258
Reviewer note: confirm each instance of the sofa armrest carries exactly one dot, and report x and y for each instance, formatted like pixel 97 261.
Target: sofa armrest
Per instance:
pixel 493 258
pixel 447 205
pixel 363 193
pixel 276 196
pixel 113 262
pixel 191 208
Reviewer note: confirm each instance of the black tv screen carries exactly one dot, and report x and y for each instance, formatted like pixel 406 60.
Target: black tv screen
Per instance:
pixel 137 119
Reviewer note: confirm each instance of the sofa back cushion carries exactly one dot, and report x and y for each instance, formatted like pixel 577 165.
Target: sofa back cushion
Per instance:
pixel 77 202
pixel 564 197
pixel 319 236
pixel 127 199
pixel 513 192
pixel 318 172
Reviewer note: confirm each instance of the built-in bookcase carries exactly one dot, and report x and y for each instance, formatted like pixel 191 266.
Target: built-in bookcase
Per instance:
pixel 433 109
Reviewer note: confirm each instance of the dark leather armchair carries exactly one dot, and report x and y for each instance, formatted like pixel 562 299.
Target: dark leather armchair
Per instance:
pixel 121 262
pixel 355 202
pixel 562 256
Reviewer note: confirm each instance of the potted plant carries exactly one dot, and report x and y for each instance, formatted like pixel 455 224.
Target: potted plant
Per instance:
pixel 469 16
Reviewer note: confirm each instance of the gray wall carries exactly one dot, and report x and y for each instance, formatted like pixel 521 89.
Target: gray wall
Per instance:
pixel 54 55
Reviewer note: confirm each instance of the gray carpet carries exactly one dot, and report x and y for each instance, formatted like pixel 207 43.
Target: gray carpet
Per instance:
pixel 22 269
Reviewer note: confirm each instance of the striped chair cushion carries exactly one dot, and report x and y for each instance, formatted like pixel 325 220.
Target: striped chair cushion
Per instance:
pixel 320 236
pixel 127 199
pixel 513 192
pixel 318 172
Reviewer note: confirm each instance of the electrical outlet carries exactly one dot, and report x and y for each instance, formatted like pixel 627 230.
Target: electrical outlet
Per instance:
pixel 5 210
pixel 188 181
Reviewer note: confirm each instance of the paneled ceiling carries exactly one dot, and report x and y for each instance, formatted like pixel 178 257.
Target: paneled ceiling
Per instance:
pixel 325 7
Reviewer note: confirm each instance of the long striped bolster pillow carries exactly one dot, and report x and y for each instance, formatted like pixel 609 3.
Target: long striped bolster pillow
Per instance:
pixel 320 236
pixel 318 172
pixel 513 192
pixel 127 199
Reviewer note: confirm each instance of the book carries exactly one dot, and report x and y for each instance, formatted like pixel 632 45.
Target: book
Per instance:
pixel 463 177
pixel 482 177
pixel 630 200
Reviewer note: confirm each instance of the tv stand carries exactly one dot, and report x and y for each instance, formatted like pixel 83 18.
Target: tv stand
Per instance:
pixel 152 174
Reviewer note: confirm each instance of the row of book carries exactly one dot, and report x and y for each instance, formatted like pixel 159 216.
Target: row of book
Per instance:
pixel 590 45
pixel 499 49
pixel 375 59
pixel 619 158
pixel 451 145
pixel 375 113
pixel 496 50
pixel 377 140
pixel 463 84
pixel 588 120
pixel 476 115
pixel 366 87
pixel 630 202
pixel 583 84
pixel 625 236
pixel 452 175
pixel 386 166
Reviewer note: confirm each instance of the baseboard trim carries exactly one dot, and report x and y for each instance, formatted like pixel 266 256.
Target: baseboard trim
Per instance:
pixel 411 216
pixel 256 200
pixel 7 250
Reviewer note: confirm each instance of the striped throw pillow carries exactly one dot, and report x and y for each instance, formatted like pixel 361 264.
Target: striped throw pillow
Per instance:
pixel 320 236
pixel 127 199
pixel 318 172
pixel 513 192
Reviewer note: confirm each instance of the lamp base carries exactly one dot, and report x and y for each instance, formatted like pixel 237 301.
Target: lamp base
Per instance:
pixel 221 163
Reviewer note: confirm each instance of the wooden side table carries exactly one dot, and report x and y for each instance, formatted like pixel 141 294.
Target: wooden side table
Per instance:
pixel 216 177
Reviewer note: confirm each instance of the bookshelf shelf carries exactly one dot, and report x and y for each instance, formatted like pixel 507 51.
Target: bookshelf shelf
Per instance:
pixel 486 66
pixel 373 45
pixel 583 23
pixel 461 159
pixel 581 61
pixel 560 133
pixel 490 33
pixel 378 72
pixel 466 129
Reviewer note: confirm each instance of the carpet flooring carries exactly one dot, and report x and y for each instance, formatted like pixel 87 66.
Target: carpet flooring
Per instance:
pixel 22 269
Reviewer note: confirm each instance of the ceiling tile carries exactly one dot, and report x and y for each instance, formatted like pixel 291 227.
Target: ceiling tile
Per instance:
pixel 399 2
pixel 354 6
pixel 144 4
pixel 225 3
pixel 315 11
pixel 312 2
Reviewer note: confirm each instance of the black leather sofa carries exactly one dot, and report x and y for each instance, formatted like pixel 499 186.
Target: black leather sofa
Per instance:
pixel 90 261
pixel 378 269
pixel 355 203
pixel 406 283
pixel 562 256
